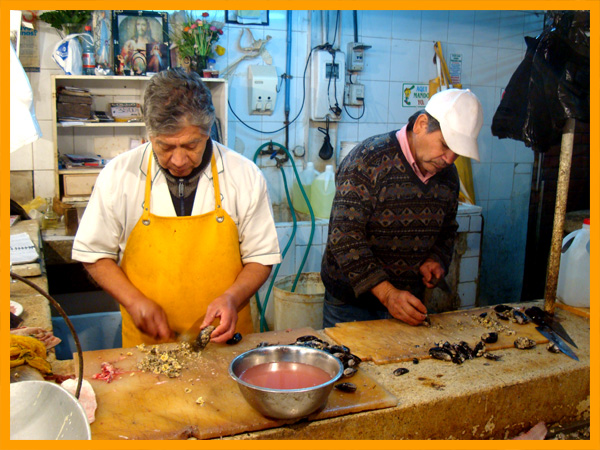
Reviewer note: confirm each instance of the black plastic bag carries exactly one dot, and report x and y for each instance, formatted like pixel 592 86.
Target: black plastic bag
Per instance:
pixel 550 85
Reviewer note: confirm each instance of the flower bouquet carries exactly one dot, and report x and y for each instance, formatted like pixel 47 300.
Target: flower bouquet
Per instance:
pixel 195 40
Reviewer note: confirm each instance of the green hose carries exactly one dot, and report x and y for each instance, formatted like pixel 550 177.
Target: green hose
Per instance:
pixel 262 308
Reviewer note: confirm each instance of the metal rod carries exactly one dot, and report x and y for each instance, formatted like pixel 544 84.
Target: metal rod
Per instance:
pixel 67 320
pixel 562 190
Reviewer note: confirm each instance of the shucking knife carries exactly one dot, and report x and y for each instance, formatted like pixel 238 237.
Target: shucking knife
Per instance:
pixel 556 340
pixel 542 318
pixel 191 334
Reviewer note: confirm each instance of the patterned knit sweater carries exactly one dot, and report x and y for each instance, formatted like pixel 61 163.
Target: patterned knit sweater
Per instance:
pixel 385 223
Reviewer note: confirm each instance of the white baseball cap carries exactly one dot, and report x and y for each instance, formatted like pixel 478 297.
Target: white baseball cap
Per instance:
pixel 460 116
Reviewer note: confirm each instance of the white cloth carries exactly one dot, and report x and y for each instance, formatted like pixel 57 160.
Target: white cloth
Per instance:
pixel 24 127
pixel 115 205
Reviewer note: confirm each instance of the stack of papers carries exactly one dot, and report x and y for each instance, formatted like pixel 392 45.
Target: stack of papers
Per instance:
pixel 22 250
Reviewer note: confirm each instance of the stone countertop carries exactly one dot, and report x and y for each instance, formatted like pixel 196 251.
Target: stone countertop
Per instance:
pixel 36 308
pixel 479 399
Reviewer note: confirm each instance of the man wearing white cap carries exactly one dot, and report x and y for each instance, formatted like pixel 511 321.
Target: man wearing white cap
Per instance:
pixel 393 221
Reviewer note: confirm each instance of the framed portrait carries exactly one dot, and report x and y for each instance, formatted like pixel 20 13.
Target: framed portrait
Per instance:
pixel 247 17
pixel 134 32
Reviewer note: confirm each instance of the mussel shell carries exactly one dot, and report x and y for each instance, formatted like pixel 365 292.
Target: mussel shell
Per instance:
pixel 465 350
pixel 524 343
pixel 552 347
pixel 400 371
pixel 479 349
pixel 318 344
pixel 536 314
pixel 415 361
pixel 520 318
pixel 203 338
pixel 489 338
pixel 492 356
pixel 346 387
pixel 237 337
pixel 440 353
pixel 349 372
pixel 503 308
pixel 338 349
pixel 309 337
pixel 502 315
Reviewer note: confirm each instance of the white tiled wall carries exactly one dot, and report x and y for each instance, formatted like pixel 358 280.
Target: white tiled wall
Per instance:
pixel 491 44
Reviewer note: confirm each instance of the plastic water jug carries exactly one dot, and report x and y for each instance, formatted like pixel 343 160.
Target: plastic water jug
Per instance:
pixel 307 176
pixel 574 273
pixel 322 193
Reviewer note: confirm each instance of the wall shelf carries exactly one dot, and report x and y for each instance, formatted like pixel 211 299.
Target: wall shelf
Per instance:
pixel 108 139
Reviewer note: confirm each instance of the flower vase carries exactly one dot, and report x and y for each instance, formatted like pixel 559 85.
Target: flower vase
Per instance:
pixel 201 64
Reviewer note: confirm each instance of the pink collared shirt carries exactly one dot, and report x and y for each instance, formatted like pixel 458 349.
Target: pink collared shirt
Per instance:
pixel 403 141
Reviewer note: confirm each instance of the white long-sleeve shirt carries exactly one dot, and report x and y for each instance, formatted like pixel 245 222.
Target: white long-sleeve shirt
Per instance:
pixel 115 205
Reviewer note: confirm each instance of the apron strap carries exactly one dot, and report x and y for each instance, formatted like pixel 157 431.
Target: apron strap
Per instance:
pixel 146 212
pixel 215 174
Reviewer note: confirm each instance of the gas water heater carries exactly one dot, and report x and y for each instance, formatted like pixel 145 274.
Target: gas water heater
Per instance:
pixel 327 74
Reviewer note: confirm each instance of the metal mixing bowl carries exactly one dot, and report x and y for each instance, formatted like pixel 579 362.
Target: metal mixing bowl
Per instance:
pixel 45 410
pixel 286 403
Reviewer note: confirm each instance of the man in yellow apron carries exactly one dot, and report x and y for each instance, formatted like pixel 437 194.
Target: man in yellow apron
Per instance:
pixel 180 226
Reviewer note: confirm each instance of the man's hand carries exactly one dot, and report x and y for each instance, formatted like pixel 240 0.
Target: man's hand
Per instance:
pixel 149 317
pixel 402 305
pixel 431 271
pixel 223 307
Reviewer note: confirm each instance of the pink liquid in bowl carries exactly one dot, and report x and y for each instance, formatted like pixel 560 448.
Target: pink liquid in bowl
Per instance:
pixel 285 375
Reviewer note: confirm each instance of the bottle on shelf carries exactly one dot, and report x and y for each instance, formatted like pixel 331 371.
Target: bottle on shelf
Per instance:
pixel 87 52
pixel 50 219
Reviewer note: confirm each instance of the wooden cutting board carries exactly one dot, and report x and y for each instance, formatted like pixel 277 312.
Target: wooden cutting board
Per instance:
pixel 390 340
pixel 141 405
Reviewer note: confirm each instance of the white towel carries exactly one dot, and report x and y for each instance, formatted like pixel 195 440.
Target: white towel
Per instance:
pixel 24 127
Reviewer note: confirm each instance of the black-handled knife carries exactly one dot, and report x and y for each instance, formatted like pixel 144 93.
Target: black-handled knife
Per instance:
pixel 556 340
pixel 543 319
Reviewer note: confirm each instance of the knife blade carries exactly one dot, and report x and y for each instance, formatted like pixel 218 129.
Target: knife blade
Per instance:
pixel 542 318
pixel 191 333
pixel 556 340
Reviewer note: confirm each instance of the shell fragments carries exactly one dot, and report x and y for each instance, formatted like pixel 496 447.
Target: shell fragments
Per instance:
pixel 524 343
pixel 400 371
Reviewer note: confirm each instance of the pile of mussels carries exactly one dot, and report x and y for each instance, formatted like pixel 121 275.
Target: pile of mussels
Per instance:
pixel 459 353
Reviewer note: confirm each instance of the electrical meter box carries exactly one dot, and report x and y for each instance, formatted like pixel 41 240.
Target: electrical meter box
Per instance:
pixel 327 77
pixel 262 81
pixel 356 53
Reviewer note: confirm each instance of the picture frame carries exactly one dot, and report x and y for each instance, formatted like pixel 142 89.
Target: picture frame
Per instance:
pixel 102 21
pixel 242 17
pixel 132 32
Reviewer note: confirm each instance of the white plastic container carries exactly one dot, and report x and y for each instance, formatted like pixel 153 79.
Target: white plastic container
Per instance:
pixel 322 193
pixel 574 273
pixel 307 176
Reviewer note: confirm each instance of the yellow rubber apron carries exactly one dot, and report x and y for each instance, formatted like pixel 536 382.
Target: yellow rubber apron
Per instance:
pixel 182 263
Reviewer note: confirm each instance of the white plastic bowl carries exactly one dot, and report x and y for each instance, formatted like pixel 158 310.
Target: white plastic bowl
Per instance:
pixel 45 410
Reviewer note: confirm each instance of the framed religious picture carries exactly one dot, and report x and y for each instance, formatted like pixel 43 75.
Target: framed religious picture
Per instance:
pixel 102 29
pixel 133 32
